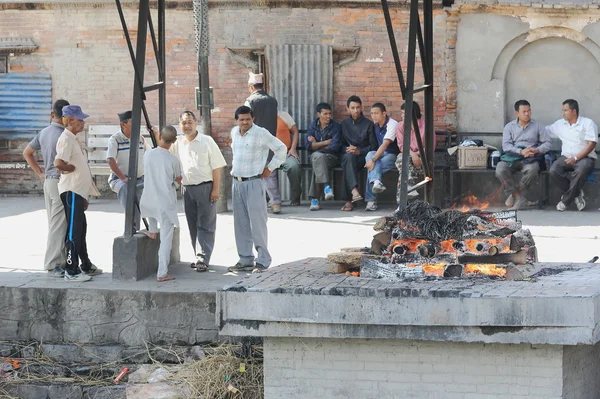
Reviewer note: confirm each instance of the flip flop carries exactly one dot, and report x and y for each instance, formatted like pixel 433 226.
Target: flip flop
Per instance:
pixel 356 198
pixel 201 267
pixel 295 203
pixel 165 278
pixel 347 208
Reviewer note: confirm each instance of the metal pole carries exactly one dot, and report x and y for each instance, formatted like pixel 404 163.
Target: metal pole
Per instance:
pixel 138 102
pixel 390 31
pixel 202 45
pixel 428 106
pixel 408 100
pixel 162 66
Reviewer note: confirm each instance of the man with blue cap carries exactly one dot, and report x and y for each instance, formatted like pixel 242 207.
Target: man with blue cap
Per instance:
pixel 75 186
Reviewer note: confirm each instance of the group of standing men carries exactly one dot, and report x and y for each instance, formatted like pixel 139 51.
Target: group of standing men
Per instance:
pixel 192 159
pixel 525 143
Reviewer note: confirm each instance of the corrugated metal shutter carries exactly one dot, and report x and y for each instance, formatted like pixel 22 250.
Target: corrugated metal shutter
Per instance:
pixel 25 104
pixel 300 77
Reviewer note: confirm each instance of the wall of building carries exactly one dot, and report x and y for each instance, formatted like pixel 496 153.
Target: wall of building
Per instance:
pixel 83 47
pixel 581 377
pixel 506 53
pixel 335 368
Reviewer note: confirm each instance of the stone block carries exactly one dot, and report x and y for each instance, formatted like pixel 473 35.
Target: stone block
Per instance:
pixel 136 257
pixel 65 392
pixel 115 392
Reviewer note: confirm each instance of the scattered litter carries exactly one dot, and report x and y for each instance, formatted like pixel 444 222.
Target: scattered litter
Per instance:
pixel 121 375
pixel 160 374
pixel 231 388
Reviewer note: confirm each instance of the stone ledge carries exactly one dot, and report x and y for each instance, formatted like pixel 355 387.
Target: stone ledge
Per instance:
pixel 106 316
pixel 299 299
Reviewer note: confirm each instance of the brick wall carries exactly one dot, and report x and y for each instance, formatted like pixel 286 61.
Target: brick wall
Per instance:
pixel 372 76
pixel 335 368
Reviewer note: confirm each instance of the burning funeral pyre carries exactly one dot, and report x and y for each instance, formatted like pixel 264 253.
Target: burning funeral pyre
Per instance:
pixel 422 240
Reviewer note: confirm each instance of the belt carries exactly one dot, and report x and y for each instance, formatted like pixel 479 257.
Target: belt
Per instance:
pixel 247 178
pixel 53 177
pixel 200 184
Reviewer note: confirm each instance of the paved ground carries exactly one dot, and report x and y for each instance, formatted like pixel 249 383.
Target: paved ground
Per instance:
pixel 295 234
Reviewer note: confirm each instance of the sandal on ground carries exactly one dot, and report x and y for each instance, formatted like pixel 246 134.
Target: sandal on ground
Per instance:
pixel 347 208
pixel 165 278
pixel 295 203
pixel 357 197
pixel 201 267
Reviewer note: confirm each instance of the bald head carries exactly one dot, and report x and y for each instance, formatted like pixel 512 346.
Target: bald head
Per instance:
pixel 168 134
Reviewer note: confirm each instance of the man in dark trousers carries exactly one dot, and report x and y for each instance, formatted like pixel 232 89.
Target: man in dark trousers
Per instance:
pixel 358 138
pixel 264 108
pixel 75 186
pixel 45 142
pixel 201 164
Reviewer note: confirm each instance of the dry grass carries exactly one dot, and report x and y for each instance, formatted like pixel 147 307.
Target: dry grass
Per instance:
pixel 208 378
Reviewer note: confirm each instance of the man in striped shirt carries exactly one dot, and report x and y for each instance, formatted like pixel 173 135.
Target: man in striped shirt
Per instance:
pixel 117 158
pixel 250 146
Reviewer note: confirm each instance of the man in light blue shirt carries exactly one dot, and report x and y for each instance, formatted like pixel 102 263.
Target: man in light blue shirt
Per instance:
pixel 524 141
pixel 250 145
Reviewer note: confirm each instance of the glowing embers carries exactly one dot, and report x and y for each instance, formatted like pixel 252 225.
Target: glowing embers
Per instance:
pixel 421 240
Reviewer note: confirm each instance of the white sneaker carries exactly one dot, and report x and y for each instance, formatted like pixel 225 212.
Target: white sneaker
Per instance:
pixel 314 205
pixel 510 201
pixel 328 191
pixel 378 187
pixel 371 206
pixel 561 207
pixel 77 278
pixel 519 203
pixel 580 201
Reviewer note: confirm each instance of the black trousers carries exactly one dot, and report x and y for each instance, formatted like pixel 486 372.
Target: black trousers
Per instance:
pixel 351 165
pixel 76 246
pixel 571 178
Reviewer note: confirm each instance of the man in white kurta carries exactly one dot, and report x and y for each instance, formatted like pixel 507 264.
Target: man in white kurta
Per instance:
pixel 159 199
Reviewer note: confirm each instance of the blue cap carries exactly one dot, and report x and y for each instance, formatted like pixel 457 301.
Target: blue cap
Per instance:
pixel 73 111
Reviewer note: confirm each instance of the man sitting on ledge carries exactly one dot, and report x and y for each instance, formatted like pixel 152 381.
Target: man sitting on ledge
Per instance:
pixel 323 141
pixel 524 141
pixel 579 136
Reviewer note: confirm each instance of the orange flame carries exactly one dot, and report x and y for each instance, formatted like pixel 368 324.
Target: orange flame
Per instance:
pixel 469 201
pixel 485 268
pixel 432 269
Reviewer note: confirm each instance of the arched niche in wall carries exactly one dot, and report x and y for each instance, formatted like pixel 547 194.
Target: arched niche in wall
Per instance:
pixel 547 66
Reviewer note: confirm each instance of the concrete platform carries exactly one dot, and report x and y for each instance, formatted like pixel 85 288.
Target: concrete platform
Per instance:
pixel 302 300
pixel 37 307
pixel 340 336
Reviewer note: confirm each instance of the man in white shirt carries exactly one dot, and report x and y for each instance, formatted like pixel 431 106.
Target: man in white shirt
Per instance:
pixel 159 200
pixel 579 136
pixel 201 162
pixel 117 157
pixel 382 160
pixel 75 186
pixel 250 145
